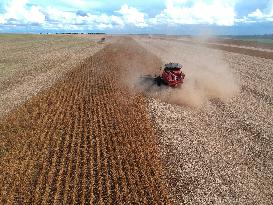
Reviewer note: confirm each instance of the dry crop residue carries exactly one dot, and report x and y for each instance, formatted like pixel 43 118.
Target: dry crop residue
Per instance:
pixel 32 63
pixel 85 140
pixel 222 153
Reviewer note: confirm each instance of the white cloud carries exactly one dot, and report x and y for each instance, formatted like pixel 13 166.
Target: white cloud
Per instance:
pixel 131 15
pixel 176 12
pixel 260 15
pixel 82 4
pixel 244 20
pixel 118 21
pixel 103 26
pixel 35 15
pixel 256 14
pixel 2 20
pixel 63 19
pixel 218 12
pixel 17 11
pixel 56 15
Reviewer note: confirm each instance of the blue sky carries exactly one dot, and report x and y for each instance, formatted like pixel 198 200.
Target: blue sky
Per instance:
pixel 232 17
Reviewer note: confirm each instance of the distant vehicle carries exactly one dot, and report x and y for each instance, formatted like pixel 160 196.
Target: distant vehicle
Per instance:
pixel 102 40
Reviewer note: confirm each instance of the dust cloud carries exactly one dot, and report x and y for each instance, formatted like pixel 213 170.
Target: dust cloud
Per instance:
pixel 208 76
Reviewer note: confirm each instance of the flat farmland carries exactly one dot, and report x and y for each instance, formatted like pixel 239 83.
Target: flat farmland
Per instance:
pixel 85 140
pixel 98 134
pixel 219 151
pixel 30 63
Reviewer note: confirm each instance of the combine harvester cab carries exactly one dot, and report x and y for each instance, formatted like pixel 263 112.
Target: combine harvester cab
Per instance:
pixel 172 74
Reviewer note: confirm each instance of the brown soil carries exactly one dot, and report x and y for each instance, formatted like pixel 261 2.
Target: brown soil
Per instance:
pixel 246 51
pixel 84 140
pixel 242 43
pixel 32 63
pixel 221 153
pixel 236 46
pixel 250 52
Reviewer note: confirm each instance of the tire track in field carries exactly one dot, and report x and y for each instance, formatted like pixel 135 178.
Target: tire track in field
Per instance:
pixel 92 140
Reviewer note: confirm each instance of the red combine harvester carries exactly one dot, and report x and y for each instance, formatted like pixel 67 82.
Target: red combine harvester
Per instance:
pixel 171 76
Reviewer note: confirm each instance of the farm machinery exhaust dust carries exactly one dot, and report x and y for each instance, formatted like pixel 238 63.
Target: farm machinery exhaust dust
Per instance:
pixel 171 76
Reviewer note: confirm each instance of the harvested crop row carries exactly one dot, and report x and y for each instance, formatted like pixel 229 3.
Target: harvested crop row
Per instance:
pixel 30 64
pixel 222 153
pixel 85 140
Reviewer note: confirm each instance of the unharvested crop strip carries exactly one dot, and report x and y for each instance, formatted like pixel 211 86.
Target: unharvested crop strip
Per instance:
pixel 25 152
pixel 70 123
pixel 50 131
pixel 72 164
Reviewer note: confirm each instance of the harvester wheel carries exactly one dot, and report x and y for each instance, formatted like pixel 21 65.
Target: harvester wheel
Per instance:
pixel 158 80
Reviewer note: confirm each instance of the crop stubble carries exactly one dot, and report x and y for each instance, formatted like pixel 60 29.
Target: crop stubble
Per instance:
pixel 84 140
pixel 32 63
pixel 222 153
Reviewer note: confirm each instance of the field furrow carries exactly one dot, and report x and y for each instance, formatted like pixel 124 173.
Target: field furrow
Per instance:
pixel 86 140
